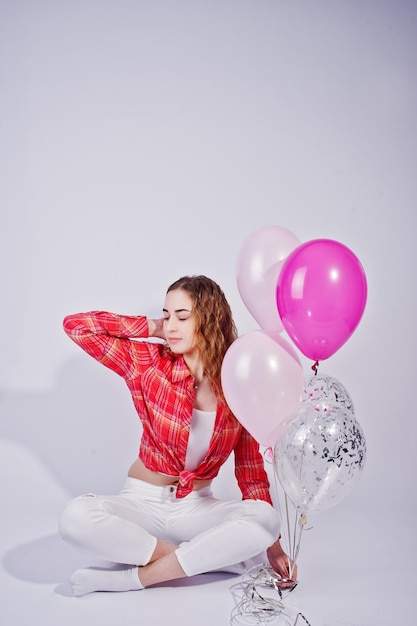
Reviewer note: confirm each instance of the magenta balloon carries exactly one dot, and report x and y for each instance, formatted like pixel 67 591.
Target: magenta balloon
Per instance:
pixel 321 296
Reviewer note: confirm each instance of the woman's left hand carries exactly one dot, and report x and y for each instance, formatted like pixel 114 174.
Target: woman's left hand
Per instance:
pixel 282 565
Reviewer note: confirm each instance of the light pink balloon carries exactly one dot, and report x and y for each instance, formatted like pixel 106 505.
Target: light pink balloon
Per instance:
pixel 258 267
pixel 262 380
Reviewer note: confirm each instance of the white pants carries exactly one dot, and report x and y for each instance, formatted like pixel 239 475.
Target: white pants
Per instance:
pixel 211 534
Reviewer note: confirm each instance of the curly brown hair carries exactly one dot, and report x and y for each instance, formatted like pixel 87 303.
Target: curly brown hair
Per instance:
pixel 215 328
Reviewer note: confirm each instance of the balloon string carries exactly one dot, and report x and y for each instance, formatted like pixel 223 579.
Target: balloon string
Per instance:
pixel 294 548
pixel 269 455
pixel 293 540
pixel 315 367
pixel 291 545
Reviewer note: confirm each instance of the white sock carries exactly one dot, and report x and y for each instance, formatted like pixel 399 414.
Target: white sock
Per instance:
pixel 91 579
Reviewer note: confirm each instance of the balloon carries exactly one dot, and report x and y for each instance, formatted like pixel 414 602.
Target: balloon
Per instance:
pixel 258 265
pixel 321 456
pixel 321 295
pixel 324 388
pixel 262 380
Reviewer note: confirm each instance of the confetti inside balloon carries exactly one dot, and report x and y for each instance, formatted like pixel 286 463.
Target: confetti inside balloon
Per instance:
pixel 324 388
pixel 320 457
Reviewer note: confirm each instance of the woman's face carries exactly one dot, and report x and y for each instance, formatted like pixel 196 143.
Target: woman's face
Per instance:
pixel 179 322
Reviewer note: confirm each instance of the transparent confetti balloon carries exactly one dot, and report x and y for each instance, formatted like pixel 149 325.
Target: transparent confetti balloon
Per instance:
pixel 320 457
pixel 324 388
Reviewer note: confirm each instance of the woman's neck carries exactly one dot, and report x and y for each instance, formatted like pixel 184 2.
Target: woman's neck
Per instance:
pixel 195 365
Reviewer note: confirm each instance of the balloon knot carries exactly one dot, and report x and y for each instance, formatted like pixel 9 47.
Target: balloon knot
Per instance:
pixel 315 367
pixel 303 519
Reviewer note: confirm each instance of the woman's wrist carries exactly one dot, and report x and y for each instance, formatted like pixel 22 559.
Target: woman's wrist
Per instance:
pixel 155 328
pixel 151 327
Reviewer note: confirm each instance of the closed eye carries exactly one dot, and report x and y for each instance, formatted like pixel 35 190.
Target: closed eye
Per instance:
pixel 180 319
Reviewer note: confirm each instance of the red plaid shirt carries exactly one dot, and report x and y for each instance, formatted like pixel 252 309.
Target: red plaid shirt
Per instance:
pixel 163 394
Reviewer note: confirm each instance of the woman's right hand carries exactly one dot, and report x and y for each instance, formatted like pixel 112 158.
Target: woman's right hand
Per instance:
pixel 156 328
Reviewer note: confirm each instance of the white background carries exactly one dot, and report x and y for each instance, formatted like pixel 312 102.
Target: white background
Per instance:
pixel 143 140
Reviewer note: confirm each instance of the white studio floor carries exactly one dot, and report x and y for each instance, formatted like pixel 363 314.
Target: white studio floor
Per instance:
pixel 354 570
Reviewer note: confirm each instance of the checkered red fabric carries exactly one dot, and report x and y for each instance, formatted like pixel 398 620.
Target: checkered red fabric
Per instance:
pixel 163 393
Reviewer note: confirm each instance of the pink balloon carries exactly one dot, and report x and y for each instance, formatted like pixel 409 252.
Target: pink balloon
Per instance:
pixel 321 296
pixel 262 380
pixel 258 266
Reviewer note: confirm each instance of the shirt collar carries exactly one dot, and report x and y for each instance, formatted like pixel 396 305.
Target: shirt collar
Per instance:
pixel 180 370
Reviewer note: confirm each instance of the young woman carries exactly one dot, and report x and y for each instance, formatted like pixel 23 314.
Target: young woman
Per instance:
pixel 165 524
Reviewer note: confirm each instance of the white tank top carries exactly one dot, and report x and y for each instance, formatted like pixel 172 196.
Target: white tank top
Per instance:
pixel 201 431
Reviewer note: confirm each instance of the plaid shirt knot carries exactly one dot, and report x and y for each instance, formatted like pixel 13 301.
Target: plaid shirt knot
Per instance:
pixel 185 485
